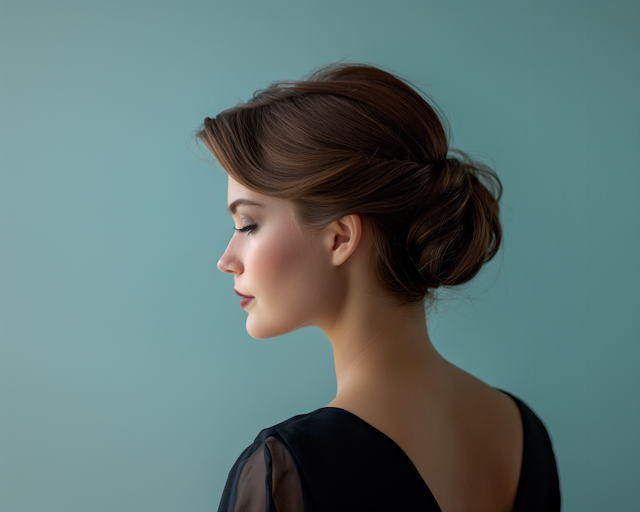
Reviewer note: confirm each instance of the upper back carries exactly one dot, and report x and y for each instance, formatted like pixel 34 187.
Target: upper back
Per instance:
pixel 465 441
pixel 333 460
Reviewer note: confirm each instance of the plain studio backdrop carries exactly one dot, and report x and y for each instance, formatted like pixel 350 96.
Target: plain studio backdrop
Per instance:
pixel 127 379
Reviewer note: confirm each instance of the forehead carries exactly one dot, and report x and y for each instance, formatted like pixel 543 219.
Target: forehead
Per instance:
pixel 237 191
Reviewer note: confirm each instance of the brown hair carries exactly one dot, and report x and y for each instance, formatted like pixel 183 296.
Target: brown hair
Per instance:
pixel 356 139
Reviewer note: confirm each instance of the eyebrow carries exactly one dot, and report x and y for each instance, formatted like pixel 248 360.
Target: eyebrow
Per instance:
pixel 242 202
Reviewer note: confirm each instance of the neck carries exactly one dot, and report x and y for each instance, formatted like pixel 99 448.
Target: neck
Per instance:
pixel 381 350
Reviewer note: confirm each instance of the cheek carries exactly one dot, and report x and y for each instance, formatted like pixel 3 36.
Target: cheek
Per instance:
pixel 285 263
pixel 292 281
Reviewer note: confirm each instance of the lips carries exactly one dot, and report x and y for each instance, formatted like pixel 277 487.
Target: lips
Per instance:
pixel 243 295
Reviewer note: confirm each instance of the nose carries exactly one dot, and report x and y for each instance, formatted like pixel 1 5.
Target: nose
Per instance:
pixel 229 262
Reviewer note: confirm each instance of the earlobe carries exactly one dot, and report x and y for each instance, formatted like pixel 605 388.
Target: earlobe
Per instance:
pixel 346 234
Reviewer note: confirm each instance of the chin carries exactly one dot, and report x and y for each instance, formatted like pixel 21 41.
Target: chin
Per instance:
pixel 262 331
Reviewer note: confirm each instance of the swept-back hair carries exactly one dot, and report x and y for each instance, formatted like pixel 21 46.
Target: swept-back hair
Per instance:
pixel 357 139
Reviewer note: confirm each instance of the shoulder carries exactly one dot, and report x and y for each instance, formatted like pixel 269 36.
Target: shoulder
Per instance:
pixel 539 471
pixel 268 474
pixel 321 437
pixel 339 455
pixel 265 477
pixel 309 461
pixel 535 432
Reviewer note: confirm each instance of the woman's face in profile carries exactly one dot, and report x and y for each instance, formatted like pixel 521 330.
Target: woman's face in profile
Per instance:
pixel 285 269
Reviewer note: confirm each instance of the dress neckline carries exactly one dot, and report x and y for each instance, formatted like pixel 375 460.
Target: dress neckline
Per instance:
pixel 410 463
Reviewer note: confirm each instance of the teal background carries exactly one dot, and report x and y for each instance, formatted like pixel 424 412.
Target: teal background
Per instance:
pixel 127 379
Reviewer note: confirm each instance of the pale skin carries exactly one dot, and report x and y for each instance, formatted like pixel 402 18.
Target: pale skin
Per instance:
pixel 463 436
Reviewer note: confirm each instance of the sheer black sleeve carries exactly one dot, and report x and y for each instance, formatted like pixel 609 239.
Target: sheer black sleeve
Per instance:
pixel 263 479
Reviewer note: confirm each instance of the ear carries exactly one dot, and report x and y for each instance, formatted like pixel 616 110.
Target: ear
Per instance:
pixel 345 235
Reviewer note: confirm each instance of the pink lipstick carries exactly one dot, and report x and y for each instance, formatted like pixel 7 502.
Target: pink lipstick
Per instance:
pixel 245 298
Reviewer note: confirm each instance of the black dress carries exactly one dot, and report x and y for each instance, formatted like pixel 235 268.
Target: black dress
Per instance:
pixel 330 460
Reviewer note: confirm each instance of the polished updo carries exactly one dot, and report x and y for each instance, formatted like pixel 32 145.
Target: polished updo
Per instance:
pixel 356 139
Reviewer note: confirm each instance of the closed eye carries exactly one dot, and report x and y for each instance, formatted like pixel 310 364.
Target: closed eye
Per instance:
pixel 246 229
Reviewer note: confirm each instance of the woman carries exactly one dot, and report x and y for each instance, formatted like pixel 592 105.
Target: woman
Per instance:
pixel 350 211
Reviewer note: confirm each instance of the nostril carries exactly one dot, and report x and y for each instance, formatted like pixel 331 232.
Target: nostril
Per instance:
pixel 229 265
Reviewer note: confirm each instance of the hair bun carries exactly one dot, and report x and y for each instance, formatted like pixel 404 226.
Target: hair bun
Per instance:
pixel 457 228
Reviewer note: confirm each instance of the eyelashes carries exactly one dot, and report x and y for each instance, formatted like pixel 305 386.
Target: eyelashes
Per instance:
pixel 246 229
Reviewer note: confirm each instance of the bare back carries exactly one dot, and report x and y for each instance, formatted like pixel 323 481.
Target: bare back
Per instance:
pixel 464 437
